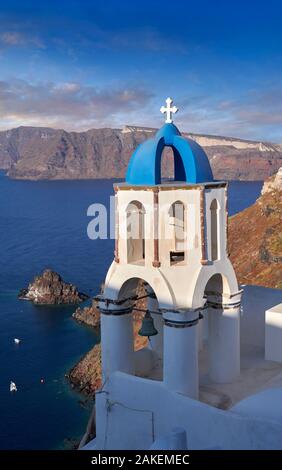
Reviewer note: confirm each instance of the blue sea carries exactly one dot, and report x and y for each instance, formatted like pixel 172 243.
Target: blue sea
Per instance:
pixel 44 224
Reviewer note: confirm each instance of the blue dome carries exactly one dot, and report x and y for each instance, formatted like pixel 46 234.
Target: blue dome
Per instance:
pixel 191 163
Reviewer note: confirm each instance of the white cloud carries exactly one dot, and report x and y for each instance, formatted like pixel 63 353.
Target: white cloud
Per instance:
pixel 19 39
pixel 68 104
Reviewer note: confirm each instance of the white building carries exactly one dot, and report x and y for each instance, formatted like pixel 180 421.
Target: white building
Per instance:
pixel 173 236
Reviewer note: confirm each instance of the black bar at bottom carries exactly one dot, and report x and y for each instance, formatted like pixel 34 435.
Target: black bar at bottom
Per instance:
pixel 126 459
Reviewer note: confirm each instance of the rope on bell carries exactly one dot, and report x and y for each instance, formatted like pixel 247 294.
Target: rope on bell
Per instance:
pixel 100 298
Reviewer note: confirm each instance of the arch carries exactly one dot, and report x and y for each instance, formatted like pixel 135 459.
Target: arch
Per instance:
pixel 130 285
pixel 148 355
pixel 128 288
pixel 220 328
pixel 117 276
pixel 228 278
pixel 177 225
pixel 217 285
pixel 135 229
pixel 214 230
pixel 171 162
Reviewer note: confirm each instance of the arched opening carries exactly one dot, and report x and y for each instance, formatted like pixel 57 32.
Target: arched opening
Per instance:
pixel 135 226
pixel 171 165
pixel 167 165
pixel 215 287
pixel 177 232
pixel 219 345
pixel 212 294
pixel 148 356
pixel 214 231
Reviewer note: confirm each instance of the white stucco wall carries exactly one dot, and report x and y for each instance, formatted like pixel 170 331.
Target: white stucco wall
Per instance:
pixel 255 301
pixel 170 281
pixel 136 411
pixel 167 196
pixel 273 333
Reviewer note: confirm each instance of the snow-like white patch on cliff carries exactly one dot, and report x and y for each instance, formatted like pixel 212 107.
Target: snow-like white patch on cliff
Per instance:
pixel 211 141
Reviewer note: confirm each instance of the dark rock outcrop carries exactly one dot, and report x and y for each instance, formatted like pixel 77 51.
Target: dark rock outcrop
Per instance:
pixel 49 288
pixel 86 375
pixel 88 315
pixel 43 153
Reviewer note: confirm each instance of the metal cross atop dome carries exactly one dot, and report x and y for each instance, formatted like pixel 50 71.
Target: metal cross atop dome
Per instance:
pixel 169 110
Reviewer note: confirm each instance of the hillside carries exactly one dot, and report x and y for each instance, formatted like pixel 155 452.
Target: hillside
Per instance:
pixel 255 238
pixel 45 153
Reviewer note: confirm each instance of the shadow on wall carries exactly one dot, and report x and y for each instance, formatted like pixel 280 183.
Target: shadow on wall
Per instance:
pixel 255 301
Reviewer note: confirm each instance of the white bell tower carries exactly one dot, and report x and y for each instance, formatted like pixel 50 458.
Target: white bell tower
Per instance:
pixel 173 236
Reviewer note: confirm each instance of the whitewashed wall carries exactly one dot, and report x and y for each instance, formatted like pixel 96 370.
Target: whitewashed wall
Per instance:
pixel 136 411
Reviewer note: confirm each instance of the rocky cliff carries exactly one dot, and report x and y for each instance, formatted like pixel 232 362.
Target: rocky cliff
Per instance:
pixel 49 288
pixel 44 153
pixel 255 238
pixel 88 315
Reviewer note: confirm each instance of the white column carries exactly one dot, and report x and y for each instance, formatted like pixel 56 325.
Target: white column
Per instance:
pixel 116 340
pixel 181 371
pixel 224 344
pixel 156 342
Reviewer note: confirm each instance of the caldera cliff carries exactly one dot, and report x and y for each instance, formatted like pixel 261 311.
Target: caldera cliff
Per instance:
pixel 37 153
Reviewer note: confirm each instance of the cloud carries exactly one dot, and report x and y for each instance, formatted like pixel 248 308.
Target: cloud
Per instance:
pixel 11 38
pixel 262 108
pixel 72 105
pixel 19 39
pixel 254 114
pixel 68 104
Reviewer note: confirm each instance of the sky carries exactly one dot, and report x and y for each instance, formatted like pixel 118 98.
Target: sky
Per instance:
pixel 83 64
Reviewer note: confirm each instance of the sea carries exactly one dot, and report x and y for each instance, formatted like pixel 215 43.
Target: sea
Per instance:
pixel 43 224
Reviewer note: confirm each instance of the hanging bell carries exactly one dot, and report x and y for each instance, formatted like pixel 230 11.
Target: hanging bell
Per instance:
pixel 148 327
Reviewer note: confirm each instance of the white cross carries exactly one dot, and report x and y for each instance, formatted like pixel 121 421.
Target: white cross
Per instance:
pixel 169 110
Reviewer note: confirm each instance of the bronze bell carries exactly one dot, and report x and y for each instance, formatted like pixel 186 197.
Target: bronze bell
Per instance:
pixel 148 327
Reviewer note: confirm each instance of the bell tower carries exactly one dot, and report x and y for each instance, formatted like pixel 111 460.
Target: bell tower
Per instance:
pixel 172 235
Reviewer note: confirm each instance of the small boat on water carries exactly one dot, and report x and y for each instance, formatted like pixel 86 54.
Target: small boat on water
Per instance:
pixel 13 387
pixel 17 340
